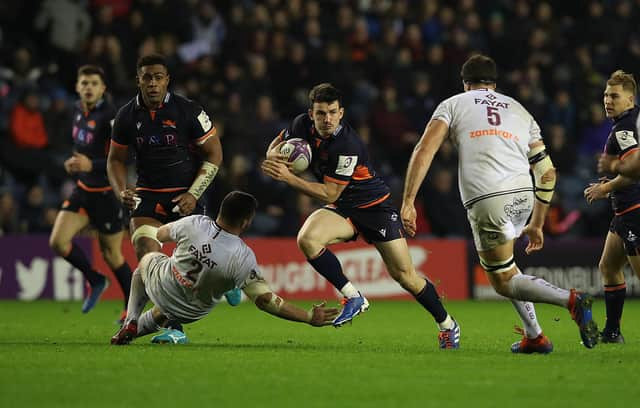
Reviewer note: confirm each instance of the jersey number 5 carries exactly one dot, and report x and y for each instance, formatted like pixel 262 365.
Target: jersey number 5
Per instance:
pixel 493 117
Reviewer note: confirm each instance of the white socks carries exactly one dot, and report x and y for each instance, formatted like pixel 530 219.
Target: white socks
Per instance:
pixel 349 291
pixel 146 324
pixel 527 313
pixel 446 324
pixel 137 298
pixel 533 289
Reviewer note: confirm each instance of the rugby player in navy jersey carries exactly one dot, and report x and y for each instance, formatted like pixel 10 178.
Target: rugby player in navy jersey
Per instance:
pixel 357 202
pixel 177 155
pixel 622 244
pixel 92 202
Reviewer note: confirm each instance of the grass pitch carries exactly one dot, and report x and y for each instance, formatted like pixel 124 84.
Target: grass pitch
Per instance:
pixel 53 356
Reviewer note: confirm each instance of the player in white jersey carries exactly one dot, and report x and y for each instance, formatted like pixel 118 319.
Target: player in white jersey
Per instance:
pixel 498 142
pixel 210 259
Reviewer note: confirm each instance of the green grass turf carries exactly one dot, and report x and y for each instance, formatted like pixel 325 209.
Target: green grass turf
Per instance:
pixel 53 356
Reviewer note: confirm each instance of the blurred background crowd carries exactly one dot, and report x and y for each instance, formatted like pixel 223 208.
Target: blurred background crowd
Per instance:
pixel 250 64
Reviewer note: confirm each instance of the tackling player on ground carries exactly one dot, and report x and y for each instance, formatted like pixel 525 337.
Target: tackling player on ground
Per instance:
pixel 92 201
pixel 498 142
pixel 621 245
pixel 357 203
pixel 210 259
pixel 177 154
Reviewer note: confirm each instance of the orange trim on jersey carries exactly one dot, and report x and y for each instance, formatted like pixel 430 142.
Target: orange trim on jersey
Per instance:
pixel 153 114
pixel 207 135
pixel 114 143
pixel 92 189
pixel 82 211
pixel 160 210
pixel 378 201
pixel 627 153
pixel 633 207
pixel 331 179
pixel 617 287
pixel 361 173
pixel 161 190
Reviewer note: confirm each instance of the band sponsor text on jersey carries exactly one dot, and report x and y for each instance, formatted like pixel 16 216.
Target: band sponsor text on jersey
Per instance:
pixel 496 104
pixel 493 132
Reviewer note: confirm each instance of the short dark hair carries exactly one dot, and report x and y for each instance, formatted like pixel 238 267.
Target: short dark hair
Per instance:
pixel 238 206
pixel 624 79
pixel 152 59
pixel 92 70
pixel 479 69
pixel 325 92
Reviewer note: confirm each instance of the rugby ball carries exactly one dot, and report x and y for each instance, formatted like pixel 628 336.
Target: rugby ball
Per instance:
pixel 297 152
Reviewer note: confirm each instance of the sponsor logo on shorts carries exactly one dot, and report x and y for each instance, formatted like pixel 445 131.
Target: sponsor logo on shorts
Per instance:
pixel 517 207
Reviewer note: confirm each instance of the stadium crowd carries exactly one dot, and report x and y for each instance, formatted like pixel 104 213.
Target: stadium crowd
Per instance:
pixel 252 63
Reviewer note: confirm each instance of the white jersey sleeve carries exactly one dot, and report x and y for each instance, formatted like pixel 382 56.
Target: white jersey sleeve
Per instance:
pixel 492 133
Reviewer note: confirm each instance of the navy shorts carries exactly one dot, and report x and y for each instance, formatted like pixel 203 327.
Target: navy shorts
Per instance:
pixel 158 205
pixel 380 223
pixel 627 227
pixel 103 209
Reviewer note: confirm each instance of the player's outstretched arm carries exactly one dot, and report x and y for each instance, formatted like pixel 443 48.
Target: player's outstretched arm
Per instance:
pixel 117 174
pixel 260 293
pixel 421 158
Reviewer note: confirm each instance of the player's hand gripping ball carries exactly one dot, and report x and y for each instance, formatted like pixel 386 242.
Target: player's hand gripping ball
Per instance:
pixel 298 153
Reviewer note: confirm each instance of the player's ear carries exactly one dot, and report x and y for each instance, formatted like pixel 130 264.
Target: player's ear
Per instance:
pixel 310 112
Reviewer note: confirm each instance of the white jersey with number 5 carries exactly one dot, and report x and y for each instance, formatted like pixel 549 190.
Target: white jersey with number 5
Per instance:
pixel 492 133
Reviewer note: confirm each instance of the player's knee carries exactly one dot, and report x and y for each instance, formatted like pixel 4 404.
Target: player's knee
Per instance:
pixel 309 246
pixel 59 246
pixel 500 274
pixel 144 245
pixel 112 257
pixel 607 271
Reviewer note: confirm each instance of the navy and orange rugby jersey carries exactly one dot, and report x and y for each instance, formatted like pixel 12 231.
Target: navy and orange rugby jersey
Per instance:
pixel 91 133
pixel 164 140
pixel 343 159
pixel 623 140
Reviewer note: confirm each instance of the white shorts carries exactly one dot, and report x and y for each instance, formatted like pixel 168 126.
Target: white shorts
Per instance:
pixel 174 300
pixel 497 220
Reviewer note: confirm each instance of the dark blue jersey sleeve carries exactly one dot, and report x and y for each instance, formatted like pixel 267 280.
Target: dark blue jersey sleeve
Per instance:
pixel 201 126
pixel 121 132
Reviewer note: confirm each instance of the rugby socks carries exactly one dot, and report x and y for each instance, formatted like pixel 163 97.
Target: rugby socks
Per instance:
pixel 527 313
pixel 534 289
pixel 137 299
pixel 146 324
pixel 123 275
pixel 429 299
pixel 349 291
pixel 614 296
pixel 78 259
pixel 328 266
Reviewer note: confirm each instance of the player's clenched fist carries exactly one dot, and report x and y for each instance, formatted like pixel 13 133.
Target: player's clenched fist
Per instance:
pixel 129 198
